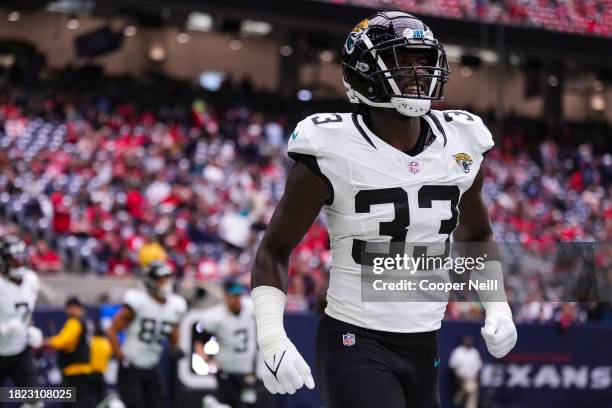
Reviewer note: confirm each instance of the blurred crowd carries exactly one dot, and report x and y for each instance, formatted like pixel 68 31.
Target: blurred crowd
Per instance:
pixel 107 180
pixel 574 16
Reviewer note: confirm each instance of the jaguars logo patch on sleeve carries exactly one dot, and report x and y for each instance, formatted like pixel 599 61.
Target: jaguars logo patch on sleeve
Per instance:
pixel 464 161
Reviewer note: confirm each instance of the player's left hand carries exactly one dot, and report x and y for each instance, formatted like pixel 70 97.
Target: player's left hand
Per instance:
pixel 285 370
pixel 499 331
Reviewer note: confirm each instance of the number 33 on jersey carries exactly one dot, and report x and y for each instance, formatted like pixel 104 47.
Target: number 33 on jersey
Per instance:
pixel 381 194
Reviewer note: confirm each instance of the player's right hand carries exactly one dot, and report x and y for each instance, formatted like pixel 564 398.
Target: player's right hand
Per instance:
pixel 285 370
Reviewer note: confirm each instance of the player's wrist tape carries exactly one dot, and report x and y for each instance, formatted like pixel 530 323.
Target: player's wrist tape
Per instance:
pixel 269 305
pixel 492 299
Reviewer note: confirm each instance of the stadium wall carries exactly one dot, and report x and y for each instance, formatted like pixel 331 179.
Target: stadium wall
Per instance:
pixel 549 366
pixel 258 58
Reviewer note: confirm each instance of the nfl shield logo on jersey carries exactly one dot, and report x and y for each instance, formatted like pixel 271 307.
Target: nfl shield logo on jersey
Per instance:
pixel 348 339
pixel 414 167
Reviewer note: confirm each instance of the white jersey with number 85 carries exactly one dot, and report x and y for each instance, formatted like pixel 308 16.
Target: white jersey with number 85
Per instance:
pixel 153 322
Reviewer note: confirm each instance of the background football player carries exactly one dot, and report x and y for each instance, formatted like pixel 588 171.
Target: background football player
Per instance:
pixel 150 318
pixel 392 171
pixel 233 325
pixel 19 288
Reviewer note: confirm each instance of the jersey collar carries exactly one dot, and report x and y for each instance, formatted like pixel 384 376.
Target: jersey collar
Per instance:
pixel 379 144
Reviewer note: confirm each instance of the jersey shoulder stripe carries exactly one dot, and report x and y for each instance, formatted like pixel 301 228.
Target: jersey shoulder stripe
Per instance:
pixel 463 127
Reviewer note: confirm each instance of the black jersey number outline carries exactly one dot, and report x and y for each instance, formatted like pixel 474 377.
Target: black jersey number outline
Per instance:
pixel 323 119
pixel 24 309
pixel 242 336
pixel 148 331
pixel 397 228
pixel 448 115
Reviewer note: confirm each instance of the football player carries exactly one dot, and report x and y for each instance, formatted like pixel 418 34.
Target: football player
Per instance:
pixel 392 171
pixel 233 325
pixel 19 288
pixel 150 318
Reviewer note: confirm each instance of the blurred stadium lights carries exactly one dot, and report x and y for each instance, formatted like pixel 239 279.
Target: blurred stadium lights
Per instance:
pixel 255 28
pixel 235 44
pixel 211 80
pixel 130 30
pixel 197 21
pixel 72 6
pixel 7 61
pixel 182 37
pixel 304 95
pixel 14 16
pixel 326 56
pixel 157 53
pixel 488 57
pixel 73 23
pixel 466 72
pixel 286 50
pixel 453 53
pixel 598 103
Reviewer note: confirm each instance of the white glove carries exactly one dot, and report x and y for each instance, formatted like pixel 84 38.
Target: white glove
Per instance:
pixel 499 331
pixel 285 370
pixel 35 337
pixel 12 326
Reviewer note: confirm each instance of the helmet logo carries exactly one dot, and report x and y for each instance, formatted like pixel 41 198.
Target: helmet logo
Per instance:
pixel 412 34
pixel 362 25
pixel 354 35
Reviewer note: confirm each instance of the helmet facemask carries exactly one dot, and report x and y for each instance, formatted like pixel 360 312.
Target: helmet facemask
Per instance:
pixel 14 259
pixel 156 273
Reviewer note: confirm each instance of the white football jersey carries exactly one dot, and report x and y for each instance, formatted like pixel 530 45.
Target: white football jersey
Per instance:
pixel 236 336
pixel 382 194
pixel 16 305
pixel 153 322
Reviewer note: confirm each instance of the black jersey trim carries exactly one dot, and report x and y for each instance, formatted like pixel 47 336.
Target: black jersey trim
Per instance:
pixel 361 131
pixel 310 162
pixel 436 122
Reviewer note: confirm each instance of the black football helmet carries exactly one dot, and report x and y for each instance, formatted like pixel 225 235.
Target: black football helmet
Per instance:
pixel 13 257
pixel 152 273
pixel 392 60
